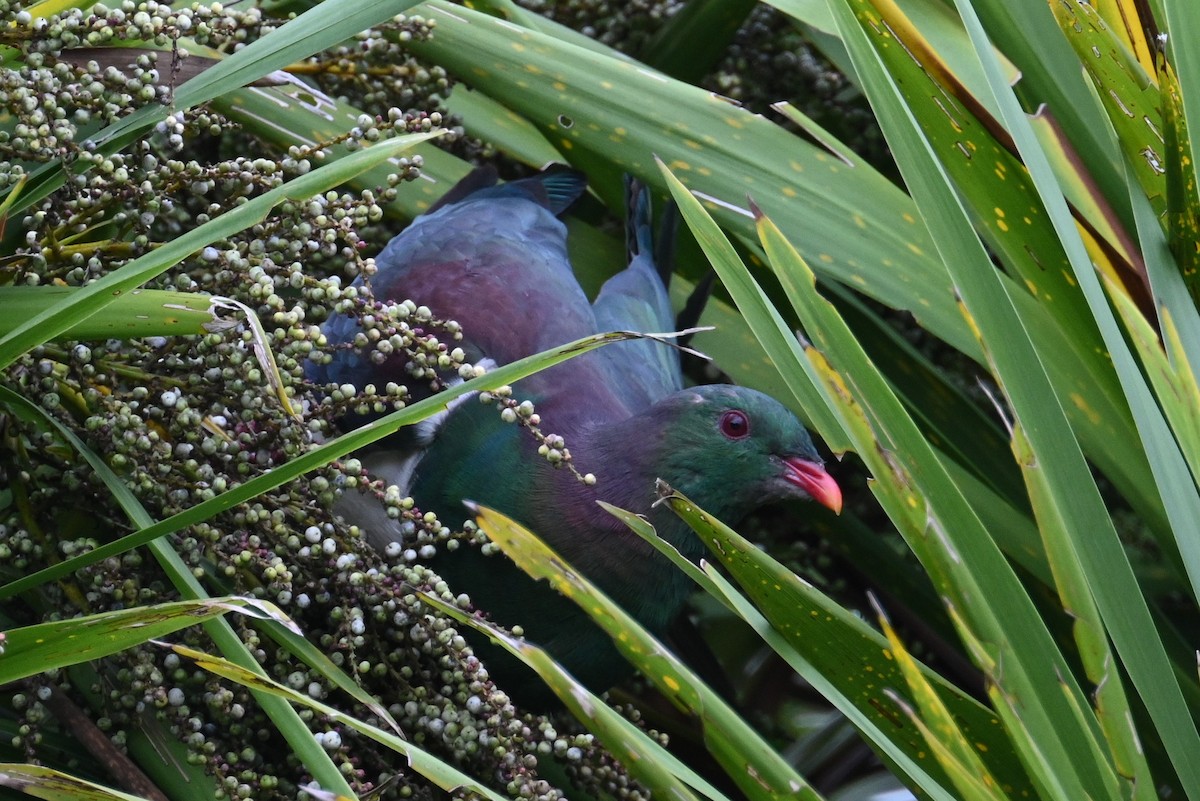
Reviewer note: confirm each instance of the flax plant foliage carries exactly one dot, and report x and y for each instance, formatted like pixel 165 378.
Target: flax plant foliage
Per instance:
pixel 1042 227
pixel 1049 232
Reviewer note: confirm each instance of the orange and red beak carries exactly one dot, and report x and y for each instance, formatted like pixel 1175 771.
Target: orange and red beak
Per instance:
pixel 812 478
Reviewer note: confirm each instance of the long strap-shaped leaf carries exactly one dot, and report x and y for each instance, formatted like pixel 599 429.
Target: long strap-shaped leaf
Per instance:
pixel 581 100
pixel 647 761
pixel 1092 536
pixel 831 648
pixel 945 533
pixel 759 771
pixel 1017 365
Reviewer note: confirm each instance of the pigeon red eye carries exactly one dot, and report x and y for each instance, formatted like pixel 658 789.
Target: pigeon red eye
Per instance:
pixel 735 424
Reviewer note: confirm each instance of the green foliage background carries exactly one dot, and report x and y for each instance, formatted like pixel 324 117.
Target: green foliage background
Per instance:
pixel 1046 233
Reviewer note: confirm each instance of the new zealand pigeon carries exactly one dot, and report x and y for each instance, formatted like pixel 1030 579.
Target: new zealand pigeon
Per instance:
pixel 494 259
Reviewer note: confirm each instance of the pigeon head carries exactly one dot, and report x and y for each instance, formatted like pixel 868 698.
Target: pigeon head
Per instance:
pixel 728 448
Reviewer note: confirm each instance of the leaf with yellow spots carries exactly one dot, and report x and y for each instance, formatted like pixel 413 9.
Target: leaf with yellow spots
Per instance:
pixel 817 195
pixel 939 26
pixel 1183 198
pixel 941 728
pixel 929 509
pixel 1013 533
pixel 1129 93
pixel 1008 705
pixel 1007 210
pixel 977 154
pixel 757 768
pixel 838 653
pixel 646 760
pixel 1115 252
pixel 1018 363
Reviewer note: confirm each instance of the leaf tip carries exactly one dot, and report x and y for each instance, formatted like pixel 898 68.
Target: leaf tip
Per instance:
pixel 754 209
